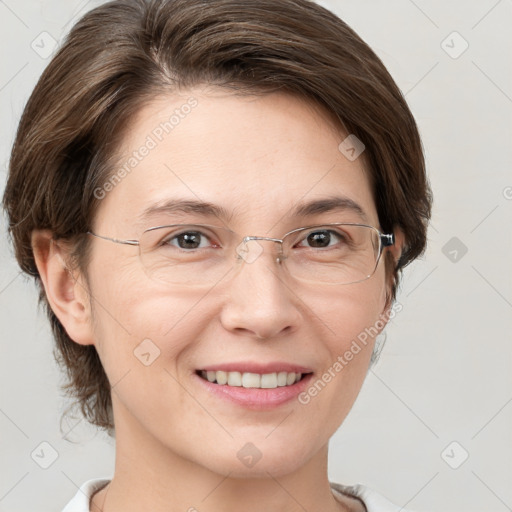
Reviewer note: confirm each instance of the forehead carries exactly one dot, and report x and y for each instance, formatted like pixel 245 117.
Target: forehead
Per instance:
pixel 258 158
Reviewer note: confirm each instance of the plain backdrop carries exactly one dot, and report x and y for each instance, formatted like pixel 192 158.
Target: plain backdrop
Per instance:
pixel 431 429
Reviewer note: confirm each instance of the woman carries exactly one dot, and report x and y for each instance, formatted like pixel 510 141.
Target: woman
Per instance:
pixel 216 199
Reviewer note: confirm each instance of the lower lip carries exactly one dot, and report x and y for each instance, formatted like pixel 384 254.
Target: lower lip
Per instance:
pixel 256 398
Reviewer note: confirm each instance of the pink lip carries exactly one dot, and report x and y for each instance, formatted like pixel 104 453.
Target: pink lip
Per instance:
pixel 251 367
pixel 255 398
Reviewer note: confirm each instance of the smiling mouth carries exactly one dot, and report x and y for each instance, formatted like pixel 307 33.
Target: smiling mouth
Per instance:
pixel 252 380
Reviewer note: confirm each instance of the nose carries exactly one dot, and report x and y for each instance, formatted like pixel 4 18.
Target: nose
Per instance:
pixel 260 300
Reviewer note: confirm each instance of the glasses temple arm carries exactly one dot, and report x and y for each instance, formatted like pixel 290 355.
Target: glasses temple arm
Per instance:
pixel 116 240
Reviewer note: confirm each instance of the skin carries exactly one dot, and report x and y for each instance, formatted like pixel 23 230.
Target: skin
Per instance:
pixel 176 443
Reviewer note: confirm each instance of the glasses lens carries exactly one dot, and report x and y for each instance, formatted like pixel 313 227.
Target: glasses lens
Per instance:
pixel 334 253
pixel 203 255
pixel 186 254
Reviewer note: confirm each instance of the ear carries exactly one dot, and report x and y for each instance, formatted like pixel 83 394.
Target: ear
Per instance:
pixel 397 248
pixel 392 255
pixel 66 290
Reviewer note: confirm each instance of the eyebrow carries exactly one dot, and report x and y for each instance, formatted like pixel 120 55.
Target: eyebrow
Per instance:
pixel 207 209
pixel 330 204
pixel 174 206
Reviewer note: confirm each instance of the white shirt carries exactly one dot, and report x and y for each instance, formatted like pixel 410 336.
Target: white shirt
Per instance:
pixel 373 501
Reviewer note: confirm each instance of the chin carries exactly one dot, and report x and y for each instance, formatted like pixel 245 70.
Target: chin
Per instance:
pixel 259 459
pixel 262 469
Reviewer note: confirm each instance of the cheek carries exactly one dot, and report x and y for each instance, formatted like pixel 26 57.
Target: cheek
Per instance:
pixel 138 324
pixel 351 310
pixel 352 318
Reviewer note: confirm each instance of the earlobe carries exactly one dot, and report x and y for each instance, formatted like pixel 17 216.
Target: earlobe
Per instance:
pixel 65 290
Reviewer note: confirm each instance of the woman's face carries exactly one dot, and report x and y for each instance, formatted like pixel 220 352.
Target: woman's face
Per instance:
pixel 257 159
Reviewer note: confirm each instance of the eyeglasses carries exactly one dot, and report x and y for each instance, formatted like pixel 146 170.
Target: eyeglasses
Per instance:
pixel 198 254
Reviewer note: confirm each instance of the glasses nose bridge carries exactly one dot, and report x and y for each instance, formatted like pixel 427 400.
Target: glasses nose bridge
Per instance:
pixel 248 256
pixel 270 239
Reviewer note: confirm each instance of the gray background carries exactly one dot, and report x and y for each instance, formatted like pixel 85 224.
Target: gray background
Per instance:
pixel 445 373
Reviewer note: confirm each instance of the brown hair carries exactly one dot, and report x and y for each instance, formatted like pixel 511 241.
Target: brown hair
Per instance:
pixel 122 54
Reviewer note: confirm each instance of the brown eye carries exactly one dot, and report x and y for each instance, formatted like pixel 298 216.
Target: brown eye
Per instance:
pixel 187 240
pixel 191 240
pixel 321 238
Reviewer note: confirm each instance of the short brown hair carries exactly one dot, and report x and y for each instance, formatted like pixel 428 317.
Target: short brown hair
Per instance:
pixel 120 55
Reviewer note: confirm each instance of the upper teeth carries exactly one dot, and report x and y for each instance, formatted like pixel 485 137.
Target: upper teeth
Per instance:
pixel 252 380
